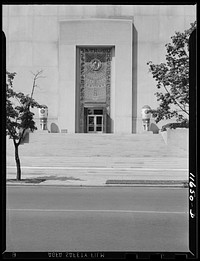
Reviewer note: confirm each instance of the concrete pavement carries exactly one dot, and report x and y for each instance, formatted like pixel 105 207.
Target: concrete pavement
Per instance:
pixel 98 176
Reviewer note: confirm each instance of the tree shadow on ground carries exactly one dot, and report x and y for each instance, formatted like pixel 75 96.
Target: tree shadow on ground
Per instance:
pixel 42 179
pixel 34 180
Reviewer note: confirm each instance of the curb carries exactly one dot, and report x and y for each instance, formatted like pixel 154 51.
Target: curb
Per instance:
pixel 182 184
pixel 149 182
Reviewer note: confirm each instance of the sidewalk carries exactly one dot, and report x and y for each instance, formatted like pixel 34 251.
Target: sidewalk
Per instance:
pixel 98 177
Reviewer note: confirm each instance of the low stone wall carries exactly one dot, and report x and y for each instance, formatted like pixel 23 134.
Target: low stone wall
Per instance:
pixel 177 137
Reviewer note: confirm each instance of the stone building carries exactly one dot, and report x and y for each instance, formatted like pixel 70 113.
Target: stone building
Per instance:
pixel 94 60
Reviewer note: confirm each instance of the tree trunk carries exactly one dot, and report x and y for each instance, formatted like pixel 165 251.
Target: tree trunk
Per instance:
pixel 17 162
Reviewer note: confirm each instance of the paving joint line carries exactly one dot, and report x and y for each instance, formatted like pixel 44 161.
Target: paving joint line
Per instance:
pixel 96 168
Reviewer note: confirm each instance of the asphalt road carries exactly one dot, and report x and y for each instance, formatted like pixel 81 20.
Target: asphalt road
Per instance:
pixel 50 218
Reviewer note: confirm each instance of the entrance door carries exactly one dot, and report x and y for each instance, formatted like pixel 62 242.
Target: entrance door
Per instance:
pixel 95 124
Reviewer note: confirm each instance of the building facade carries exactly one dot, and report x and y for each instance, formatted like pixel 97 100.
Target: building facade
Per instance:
pixel 94 60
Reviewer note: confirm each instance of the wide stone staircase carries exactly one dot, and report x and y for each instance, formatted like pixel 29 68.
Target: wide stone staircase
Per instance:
pixel 134 156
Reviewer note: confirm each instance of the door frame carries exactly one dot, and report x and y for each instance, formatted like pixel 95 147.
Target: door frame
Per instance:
pixel 95 123
pixel 95 110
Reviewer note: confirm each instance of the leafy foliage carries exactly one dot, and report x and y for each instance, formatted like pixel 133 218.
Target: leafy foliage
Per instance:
pixel 18 117
pixel 174 125
pixel 173 76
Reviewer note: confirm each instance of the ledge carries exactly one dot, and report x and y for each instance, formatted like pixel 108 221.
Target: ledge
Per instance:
pixel 177 137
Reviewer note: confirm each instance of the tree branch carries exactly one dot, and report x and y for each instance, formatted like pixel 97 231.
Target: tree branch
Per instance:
pixel 36 76
pixel 21 137
pixel 17 99
pixel 175 100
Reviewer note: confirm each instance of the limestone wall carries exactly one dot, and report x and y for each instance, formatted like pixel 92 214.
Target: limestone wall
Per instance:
pixel 33 36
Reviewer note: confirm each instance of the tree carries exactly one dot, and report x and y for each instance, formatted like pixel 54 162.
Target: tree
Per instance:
pixel 173 77
pixel 19 118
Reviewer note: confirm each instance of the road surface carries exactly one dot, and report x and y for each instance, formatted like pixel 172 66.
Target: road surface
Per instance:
pixel 55 218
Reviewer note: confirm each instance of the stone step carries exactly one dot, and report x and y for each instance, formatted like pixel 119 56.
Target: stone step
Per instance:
pixel 56 152
pixel 92 137
pixel 32 137
pixel 102 162
pixel 80 156
pixel 105 145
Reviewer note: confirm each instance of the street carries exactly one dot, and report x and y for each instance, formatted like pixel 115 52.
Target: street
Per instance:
pixel 56 218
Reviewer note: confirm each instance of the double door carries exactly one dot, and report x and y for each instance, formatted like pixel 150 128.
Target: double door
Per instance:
pixel 95 123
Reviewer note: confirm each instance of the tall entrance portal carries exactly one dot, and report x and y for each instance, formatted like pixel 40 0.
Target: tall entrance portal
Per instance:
pixel 93 90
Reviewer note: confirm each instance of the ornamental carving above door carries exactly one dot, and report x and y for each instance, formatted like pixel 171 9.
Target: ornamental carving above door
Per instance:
pixel 95 75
